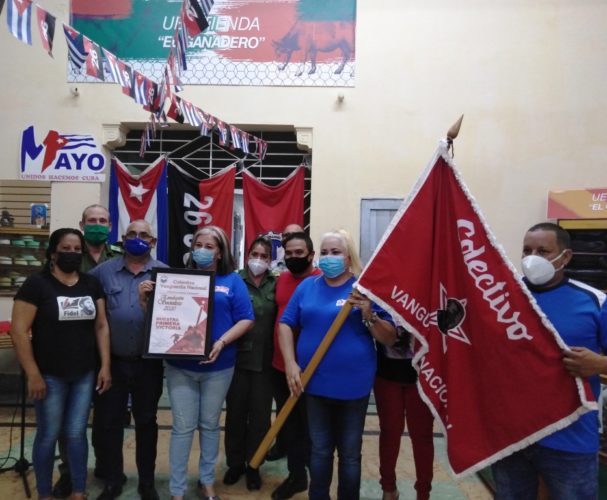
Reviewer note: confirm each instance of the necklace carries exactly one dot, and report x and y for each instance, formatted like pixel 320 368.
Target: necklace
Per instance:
pixel 67 281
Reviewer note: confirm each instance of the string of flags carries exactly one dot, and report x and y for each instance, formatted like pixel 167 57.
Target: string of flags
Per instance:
pixel 160 99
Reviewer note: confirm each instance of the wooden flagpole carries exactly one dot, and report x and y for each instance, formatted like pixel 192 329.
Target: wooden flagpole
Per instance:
pixel 280 419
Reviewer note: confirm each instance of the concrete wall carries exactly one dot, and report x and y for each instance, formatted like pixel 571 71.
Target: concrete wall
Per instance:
pixel 529 76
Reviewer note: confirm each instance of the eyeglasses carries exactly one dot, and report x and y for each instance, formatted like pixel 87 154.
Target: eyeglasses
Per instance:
pixel 131 235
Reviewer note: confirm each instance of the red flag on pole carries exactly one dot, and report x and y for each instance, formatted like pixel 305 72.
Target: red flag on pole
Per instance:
pixel 489 361
pixel 268 209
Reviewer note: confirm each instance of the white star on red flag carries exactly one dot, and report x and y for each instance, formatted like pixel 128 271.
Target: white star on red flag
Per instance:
pixel 137 191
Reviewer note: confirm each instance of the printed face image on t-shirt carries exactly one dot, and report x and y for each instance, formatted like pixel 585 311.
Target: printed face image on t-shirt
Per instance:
pixel 76 308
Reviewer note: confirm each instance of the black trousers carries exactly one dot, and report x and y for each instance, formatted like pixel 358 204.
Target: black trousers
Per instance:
pixel 248 414
pixel 142 380
pixel 294 434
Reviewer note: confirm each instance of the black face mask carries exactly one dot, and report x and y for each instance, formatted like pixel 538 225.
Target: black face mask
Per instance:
pixel 68 262
pixel 297 264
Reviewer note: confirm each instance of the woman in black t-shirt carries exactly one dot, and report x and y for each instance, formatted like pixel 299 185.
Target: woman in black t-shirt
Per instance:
pixel 65 312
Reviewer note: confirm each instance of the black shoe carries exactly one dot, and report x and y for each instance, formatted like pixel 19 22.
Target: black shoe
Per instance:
pixel 63 487
pixel 275 453
pixel 253 479
pixel 233 475
pixel 110 492
pixel 101 474
pixel 290 487
pixel 148 492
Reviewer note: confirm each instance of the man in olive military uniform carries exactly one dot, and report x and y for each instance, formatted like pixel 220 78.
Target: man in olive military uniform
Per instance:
pixel 96 226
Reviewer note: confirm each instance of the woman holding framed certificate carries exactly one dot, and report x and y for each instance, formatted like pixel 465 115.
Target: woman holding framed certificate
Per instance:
pixel 197 390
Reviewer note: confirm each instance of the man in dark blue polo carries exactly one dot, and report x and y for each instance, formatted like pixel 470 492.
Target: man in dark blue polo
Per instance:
pixel 131 374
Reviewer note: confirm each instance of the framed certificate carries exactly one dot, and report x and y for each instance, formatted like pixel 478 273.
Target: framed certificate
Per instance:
pixel 178 322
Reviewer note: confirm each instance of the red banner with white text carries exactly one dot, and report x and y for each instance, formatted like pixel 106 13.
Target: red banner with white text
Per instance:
pixel 489 361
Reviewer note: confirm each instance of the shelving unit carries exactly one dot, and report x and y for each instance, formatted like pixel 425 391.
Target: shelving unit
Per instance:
pixel 17 261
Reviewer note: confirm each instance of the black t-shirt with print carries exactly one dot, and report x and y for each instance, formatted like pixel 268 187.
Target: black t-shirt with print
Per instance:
pixel 63 332
pixel 394 362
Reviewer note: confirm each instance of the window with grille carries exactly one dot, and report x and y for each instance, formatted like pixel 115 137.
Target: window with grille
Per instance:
pixel 203 157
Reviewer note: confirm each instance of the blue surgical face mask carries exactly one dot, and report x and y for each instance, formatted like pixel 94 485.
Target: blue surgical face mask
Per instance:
pixel 203 257
pixel 332 265
pixel 136 246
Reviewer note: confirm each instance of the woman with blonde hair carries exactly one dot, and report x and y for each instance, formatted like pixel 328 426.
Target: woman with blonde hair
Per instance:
pixel 337 395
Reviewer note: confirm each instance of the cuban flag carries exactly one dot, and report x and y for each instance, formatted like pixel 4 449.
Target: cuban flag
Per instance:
pixel 222 128
pixel 208 122
pixel 244 141
pixel 140 89
pixel 115 67
pixel 235 133
pixel 181 44
pixel 19 19
pixel 142 196
pixel 192 113
pixel 75 47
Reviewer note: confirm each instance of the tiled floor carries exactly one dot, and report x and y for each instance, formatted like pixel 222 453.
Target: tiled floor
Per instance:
pixel 444 486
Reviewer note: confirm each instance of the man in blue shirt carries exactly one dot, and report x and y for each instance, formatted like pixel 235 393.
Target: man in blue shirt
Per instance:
pixel 567 459
pixel 131 374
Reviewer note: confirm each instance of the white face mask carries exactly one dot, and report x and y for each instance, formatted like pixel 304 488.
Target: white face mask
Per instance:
pixel 257 266
pixel 539 270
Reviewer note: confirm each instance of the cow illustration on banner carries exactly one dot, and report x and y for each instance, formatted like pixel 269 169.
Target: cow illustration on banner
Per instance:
pixel 248 42
pixel 61 157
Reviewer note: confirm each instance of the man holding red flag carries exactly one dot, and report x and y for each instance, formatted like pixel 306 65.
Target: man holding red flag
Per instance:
pixel 567 459
pixel 440 270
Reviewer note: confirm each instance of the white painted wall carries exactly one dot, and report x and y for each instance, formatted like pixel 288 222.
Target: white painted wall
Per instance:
pixel 529 76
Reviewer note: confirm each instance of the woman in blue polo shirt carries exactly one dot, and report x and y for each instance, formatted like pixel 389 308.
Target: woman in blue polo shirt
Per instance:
pixel 197 390
pixel 337 395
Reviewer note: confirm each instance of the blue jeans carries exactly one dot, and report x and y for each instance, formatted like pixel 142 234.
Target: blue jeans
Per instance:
pixel 196 402
pixel 567 475
pixel 335 423
pixel 65 409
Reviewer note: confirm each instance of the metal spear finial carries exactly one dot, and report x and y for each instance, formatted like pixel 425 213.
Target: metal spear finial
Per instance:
pixel 453 132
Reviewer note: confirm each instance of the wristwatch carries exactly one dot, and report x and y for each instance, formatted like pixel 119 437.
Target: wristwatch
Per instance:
pixel 371 320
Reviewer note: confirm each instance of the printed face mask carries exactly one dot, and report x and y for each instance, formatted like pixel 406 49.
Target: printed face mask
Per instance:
pixel 539 270
pixel 137 246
